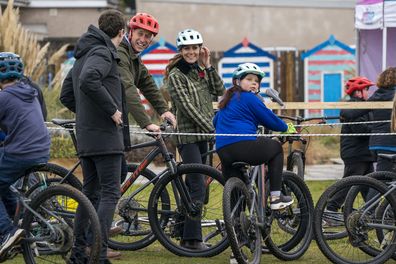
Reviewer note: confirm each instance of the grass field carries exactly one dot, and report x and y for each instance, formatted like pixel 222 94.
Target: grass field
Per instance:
pixel 155 253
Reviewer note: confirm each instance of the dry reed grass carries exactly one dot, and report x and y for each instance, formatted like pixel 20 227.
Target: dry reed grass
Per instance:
pixel 15 38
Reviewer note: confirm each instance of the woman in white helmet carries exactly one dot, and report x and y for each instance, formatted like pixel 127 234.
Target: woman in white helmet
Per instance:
pixel 241 111
pixel 192 82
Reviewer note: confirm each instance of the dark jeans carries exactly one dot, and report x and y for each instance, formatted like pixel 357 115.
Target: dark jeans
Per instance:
pixel 191 153
pixel 101 184
pixel 10 170
pixel 254 152
pixel 350 169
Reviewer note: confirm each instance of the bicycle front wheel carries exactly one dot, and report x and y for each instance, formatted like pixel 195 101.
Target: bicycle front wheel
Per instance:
pixel 168 217
pixel 291 228
pixel 49 230
pixel 360 224
pixel 241 222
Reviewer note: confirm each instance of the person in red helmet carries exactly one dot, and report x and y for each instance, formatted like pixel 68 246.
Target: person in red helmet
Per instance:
pixel 134 75
pixel 354 151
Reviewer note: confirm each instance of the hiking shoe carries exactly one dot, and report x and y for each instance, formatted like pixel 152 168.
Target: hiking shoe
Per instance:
pixel 281 202
pixel 11 239
pixel 332 218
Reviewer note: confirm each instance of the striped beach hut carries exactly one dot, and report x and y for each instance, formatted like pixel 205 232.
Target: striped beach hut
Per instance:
pixel 327 66
pixel 156 58
pixel 247 52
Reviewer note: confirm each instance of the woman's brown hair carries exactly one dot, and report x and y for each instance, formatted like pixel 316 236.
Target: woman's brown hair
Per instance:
pixel 387 78
pixel 171 65
pixel 228 95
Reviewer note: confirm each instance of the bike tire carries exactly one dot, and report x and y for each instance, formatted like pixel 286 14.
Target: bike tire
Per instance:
pixel 53 171
pixel 296 164
pixel 136 232
pixel 383 176
pixel 52 200
pixel 293 224
pixel 168 225
pixel 239 227
pixel 343 252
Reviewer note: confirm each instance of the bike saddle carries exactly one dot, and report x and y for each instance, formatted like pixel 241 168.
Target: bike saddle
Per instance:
pixel 239 165
pixel 391 157
pixel 63 122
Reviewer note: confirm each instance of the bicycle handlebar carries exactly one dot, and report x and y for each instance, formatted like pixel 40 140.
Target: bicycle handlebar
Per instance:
pixel 300 119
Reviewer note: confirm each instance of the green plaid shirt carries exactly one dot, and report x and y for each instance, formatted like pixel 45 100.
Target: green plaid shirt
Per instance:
pixel 192 101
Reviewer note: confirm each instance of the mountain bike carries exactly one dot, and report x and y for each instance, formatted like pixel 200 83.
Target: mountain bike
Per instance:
pixel 370 226
pixel 131 214
pixel 287 233
pixel 47 218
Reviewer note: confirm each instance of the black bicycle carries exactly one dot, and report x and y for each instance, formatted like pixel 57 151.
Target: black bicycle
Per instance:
pixel 131 215
pixel 47 215
pixel 368 221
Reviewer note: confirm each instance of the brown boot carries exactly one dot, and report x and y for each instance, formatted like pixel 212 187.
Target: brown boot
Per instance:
pixel 111 254
pixel 115 230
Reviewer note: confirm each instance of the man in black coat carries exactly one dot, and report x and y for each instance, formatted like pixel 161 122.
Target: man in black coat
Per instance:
pixel 92 89
pixel 354 151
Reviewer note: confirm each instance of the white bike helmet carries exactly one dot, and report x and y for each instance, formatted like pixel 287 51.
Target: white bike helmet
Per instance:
pixel 188 37
pixel 247 68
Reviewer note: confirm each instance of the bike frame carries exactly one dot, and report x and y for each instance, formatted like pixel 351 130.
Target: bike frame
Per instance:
pixel 179 188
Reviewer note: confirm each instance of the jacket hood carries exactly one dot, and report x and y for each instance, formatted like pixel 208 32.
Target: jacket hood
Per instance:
pixel 22 91
pixel 382 94
pixel 92 38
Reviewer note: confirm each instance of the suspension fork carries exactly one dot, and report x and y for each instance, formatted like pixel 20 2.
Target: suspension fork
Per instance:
pixel 182 195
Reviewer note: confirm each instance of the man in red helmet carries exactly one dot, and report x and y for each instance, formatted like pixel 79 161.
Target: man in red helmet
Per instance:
pixel 134 75
pixel 354 151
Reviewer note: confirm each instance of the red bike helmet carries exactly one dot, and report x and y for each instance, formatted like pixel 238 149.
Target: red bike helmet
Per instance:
pixel 357 84
pixel 144 21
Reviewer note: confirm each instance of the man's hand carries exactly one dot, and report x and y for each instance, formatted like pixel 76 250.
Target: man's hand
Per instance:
pixel 170 117
pixel 153 128
pixel 117 118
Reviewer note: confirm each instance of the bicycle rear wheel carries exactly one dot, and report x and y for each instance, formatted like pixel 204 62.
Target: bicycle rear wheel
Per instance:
pixel 291 228
pixel 167 217
pixel 360 226
pixel 131 214
pixel 241 219
pixel 50 239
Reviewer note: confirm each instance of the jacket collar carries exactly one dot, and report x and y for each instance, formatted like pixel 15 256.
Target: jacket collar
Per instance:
pixel 185 67
pixel 127 45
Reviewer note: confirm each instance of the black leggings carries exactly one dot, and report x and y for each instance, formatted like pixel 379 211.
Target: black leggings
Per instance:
pixel 254 152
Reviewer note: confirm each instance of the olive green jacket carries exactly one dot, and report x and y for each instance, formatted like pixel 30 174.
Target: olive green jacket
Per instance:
pixel 191 97
pixel 134 75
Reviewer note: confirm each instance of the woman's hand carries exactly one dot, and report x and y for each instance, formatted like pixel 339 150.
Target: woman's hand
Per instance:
pixel 204 57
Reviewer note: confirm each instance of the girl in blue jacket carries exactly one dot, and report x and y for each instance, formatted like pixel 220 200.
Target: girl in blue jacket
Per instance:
pixel 241 111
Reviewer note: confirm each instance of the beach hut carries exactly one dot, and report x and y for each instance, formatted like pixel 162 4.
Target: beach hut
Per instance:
pixel 326 68
pixel 247 52
pixel 156 58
